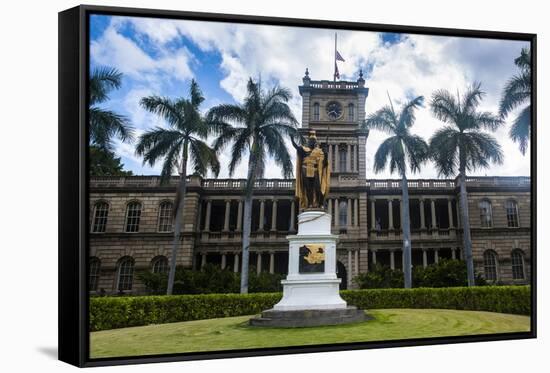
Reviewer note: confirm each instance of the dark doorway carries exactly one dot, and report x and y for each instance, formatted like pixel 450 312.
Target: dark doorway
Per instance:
pixel 342 274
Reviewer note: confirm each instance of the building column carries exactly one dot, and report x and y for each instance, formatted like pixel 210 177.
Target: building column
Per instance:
pixel 203 260
pixel 208 212
pixel 349 217
pixel 392 259
pixel 292 215
pixel 450 209
pixel 390 214
pixel 348 158
pixel 240 216
pixel 336 213
pixel 436 256
pixel 422 217
pixel 373 257
pixel 330 155
pixel 453 253
pixel 272 262
pixel 259 262
pixel 434 222
pixel 226 217
pixel 356 261
pixel 336 159
pixel 224 260
pixel 424 258
pixel 373 214
pixel 356 212
pixel 350 269
pixel 236 263
pixel 274 215
pixel 329 203
pixel 262 213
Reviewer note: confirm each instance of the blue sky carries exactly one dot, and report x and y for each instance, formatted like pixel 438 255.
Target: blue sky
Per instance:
pixel 160 56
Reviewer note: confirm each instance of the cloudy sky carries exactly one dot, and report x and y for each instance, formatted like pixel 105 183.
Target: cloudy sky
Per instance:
pixel 159 56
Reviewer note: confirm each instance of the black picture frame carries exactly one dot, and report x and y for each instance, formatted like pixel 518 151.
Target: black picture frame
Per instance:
pixel 73 182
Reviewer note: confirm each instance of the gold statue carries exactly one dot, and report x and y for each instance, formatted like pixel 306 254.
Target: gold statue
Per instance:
pixel 312 173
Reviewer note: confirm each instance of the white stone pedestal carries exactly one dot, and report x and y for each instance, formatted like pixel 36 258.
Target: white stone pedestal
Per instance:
pixel 311 291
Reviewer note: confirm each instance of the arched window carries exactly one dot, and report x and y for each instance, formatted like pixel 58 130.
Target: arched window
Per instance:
pixel 512 215
pixel 518 266
pixel 342 158
pixel 490 265
pixel 133 216
pixel 165 216
pixel 125 273
pixel 343 213
pixel 101 212
pixel 486 213
pixel 159 264
pixel 316 111
pixel 351 112
pixel 95 266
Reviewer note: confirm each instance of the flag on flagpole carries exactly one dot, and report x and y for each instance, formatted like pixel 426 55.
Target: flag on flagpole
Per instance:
pixel 339 57
pixel 336 72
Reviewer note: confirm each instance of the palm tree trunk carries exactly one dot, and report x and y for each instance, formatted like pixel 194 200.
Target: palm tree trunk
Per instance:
pixel 247 224
pixel 407 256
pixel 466 228
pixel 178 220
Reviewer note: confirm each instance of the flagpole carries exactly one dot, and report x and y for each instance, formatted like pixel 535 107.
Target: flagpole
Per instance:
pixel 335 37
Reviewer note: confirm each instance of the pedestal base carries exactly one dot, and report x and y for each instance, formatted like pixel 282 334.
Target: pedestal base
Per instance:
pixel 307 318
pixel 310 294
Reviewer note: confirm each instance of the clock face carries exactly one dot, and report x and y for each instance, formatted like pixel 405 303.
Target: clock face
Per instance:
pixel 334 110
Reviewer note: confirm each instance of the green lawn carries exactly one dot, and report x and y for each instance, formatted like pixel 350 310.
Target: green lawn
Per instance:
pixel 234 333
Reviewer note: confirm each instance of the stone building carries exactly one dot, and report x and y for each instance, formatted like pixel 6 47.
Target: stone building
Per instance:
pixel 131 217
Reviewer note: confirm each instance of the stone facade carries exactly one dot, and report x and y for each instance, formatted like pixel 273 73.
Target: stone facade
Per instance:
pixel 365 213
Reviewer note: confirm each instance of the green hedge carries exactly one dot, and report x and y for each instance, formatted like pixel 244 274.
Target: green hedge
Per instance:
pixel 121 312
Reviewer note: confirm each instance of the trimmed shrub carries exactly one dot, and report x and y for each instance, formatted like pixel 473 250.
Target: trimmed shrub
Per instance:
pixel 446 273
pixel 121 312
pixel 210 280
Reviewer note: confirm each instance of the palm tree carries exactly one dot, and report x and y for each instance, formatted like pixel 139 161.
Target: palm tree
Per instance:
pixel 462 146
pixel 258 125
pixel 106 124
pixel 517 91
pixel 400 148
pixel 183 142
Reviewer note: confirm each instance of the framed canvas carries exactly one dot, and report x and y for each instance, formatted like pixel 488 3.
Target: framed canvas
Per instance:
pixel 234 186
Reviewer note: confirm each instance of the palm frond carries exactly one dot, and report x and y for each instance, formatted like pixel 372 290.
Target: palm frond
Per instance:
pixel 487 120
pixel 277 149
pixel 516 92
pixel 383 120
pixel 203 157
pixel 407 114
pixel 106 124
pixel 164 107
pixel 157 143
pixel 443 150
pixel 171 161
pixel 480 149
pixel 520 132
pixel 195 95
pixel 472 98
pixel 444 106
pixel 417 151
pixel 102 81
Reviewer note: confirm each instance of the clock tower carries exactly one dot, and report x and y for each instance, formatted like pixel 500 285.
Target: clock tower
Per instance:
pixel 335 110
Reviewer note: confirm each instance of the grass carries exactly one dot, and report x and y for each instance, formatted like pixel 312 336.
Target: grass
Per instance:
pixel 234 333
